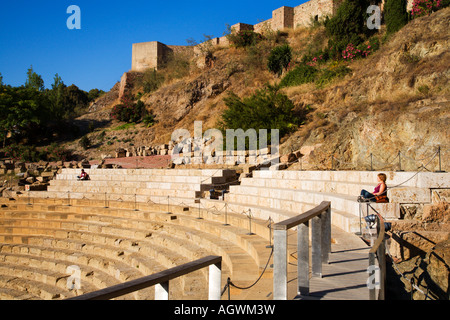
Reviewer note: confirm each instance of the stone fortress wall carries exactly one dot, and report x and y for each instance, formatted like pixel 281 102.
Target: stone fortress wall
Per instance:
pixel 151 55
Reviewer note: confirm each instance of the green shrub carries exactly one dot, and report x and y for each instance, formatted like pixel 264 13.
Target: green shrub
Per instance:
pixel 128 110
pixel 55 152
pixel 20 152
pixel 85 142
pixel 266 109
pixel 300 75
pixel 245 38
pixel 152 80
pixel 149 119
pixel 279 59
pixel 426 7
pixel 316 58
pixel 395 15
pixel 332 72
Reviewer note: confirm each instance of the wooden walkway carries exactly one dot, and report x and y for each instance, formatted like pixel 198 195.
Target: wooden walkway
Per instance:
pixel 344 278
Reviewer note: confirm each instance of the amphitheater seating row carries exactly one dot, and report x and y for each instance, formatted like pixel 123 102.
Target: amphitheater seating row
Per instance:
pixel 280 195
pixel 117 226
pixel 143 185
pixel 112 245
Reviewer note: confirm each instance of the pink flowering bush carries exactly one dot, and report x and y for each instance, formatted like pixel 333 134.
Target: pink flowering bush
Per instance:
pixel 425 7
pixel 352 52
pixel 315 61
pixel 316 58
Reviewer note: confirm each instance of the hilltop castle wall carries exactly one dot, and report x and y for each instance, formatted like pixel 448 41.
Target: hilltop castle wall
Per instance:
pixel 153 54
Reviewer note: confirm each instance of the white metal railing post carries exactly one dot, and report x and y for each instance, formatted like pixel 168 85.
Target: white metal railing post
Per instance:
pixel 303 259
pixel 326 236
pixel 315 223
pixel 316 246
pixel 162 291
pixel 280 265
pixel 215 278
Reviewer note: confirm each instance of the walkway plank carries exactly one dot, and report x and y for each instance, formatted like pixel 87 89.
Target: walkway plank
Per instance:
pixel 345 277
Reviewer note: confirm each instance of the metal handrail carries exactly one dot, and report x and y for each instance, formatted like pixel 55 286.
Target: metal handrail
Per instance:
pixel 378 274
pixel 161 281
pixel 320 220
pixel 302 218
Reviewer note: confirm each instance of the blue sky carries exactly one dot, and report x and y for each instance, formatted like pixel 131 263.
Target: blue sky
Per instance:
pixel 35 33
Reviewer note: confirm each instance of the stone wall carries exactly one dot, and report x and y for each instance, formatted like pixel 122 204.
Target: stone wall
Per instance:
pixel 314 9
pixel 149 55
pixel 283 18
pixel 152 54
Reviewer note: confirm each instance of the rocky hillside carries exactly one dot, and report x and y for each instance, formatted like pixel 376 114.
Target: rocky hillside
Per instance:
pixel 396 100
pixel 420 249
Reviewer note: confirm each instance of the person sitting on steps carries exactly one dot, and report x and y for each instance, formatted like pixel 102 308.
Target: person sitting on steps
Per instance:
pixel 379 195
pixel 83 176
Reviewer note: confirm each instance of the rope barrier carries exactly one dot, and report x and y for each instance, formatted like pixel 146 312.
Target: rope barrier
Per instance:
pixel 231 284
pixel 404 182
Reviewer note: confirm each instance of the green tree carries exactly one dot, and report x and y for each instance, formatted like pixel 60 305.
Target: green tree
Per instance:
pixel 395 15
pixel 266 109
pixel 75 101
pixel 56 98
pixel 1 79
pixel 22 110
pixel 94 94
pixel 279 59
pixel 34 80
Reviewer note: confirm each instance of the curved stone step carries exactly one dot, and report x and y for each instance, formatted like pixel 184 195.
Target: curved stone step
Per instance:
pixel 104 272
pixel 13 294
pixel 234 234
pixel 239 262
pixel 30 288
pixel 173 260
pixel 88 242
pixel 49 277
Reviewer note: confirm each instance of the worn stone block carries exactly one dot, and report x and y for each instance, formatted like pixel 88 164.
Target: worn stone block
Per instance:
pixel 409 195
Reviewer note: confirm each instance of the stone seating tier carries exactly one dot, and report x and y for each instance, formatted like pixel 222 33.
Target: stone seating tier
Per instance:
pixel 136 220
pixel 146 185
pixel 175 239
pixel 283 194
